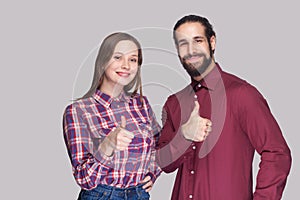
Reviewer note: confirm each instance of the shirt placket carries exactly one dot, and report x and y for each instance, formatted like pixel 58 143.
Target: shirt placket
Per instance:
pixel 191 168
pixel 119 109
pixel 191 171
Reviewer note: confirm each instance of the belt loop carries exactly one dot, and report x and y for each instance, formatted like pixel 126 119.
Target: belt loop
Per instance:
pixel 138 191
pixel 112 192
pixel 125 194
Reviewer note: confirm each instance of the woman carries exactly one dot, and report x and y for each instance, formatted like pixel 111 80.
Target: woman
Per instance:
pixel 111 132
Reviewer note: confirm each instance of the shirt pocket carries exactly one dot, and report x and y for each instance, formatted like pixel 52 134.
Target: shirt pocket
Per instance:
pixel 145 132
pixel 99 126
pixel 142 142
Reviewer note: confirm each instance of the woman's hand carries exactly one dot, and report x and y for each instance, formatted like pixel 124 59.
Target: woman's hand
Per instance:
pixel 119 139
pixel 147 183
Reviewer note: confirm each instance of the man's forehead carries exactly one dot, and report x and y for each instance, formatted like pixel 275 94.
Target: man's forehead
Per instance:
pixel 190 31
pixel 184 36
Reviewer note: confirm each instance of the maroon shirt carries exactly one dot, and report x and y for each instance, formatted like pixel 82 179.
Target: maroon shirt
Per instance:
pixel 220 168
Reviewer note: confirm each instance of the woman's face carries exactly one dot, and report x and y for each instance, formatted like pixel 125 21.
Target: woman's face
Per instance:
pixel 123 65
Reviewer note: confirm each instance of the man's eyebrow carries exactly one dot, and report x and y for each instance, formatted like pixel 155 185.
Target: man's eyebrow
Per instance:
pixel 182 40
pixel 194 38
pixel 199 37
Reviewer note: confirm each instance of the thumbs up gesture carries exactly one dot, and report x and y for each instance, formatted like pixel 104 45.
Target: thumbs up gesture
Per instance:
pixel 119 139
pixel 196 128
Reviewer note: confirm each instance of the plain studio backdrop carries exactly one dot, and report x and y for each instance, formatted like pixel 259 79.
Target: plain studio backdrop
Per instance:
pixel 47 59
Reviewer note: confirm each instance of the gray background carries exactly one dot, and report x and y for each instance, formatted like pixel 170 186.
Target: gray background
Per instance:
pixel 47 53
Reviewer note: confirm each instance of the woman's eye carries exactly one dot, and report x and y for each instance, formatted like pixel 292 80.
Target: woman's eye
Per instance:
pixel 117 57
pixel 133 60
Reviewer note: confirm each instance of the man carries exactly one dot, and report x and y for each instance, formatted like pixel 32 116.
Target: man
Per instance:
pixel 219 166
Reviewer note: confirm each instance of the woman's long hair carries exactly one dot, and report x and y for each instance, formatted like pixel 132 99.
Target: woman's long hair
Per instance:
pixel 104 55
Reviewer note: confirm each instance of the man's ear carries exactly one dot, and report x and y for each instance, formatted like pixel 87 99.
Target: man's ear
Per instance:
pixel 213 42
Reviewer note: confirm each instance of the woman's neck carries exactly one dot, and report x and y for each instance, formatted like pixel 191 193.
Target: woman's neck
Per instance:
pixel 111 91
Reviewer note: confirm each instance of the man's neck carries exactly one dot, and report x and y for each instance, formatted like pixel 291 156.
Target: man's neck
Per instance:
pixel 207 71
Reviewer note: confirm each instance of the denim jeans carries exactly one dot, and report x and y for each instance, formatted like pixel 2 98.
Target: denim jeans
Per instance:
pixel 105 192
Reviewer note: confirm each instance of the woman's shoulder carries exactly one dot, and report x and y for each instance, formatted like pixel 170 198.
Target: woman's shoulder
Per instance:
pixel 79 104
pixel 139 99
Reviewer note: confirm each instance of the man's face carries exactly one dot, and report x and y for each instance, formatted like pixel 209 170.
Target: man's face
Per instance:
pixel 193 48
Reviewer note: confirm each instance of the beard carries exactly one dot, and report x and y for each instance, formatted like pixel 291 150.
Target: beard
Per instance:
pixel 198 68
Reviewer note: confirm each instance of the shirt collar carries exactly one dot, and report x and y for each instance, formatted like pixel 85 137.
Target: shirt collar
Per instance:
pixel 106 100
pixel 209 81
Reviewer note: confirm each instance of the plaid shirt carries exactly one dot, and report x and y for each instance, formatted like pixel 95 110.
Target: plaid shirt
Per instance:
pixel 86 123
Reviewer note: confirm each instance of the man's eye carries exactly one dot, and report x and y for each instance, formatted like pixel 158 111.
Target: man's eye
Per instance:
pixel 199 41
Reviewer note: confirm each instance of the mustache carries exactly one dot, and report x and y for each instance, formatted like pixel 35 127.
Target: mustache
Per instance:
pixel 188 56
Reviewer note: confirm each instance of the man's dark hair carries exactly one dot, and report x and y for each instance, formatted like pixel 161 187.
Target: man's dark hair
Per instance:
pixel 209 32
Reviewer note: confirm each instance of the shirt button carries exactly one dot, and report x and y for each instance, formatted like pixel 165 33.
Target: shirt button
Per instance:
pixel 195 96
pixel 190 196
pixel 194 147
pixel 192 172
pixel 199 85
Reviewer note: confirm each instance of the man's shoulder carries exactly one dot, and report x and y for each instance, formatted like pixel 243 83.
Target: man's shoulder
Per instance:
pixel 232 79
pixel 185 92
pixel 234 83
pixel 239 88
pixel 187 89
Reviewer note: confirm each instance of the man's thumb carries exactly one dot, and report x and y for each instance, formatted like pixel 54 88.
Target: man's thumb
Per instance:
pixel 196 108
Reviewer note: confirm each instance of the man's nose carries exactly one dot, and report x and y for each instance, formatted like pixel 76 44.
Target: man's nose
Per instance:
pixel 192 48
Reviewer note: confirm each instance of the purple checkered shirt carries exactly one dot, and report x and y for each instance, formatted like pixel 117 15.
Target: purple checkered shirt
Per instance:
pixel 86 122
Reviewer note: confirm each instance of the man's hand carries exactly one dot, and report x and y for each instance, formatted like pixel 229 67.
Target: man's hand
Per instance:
pixel 196 128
